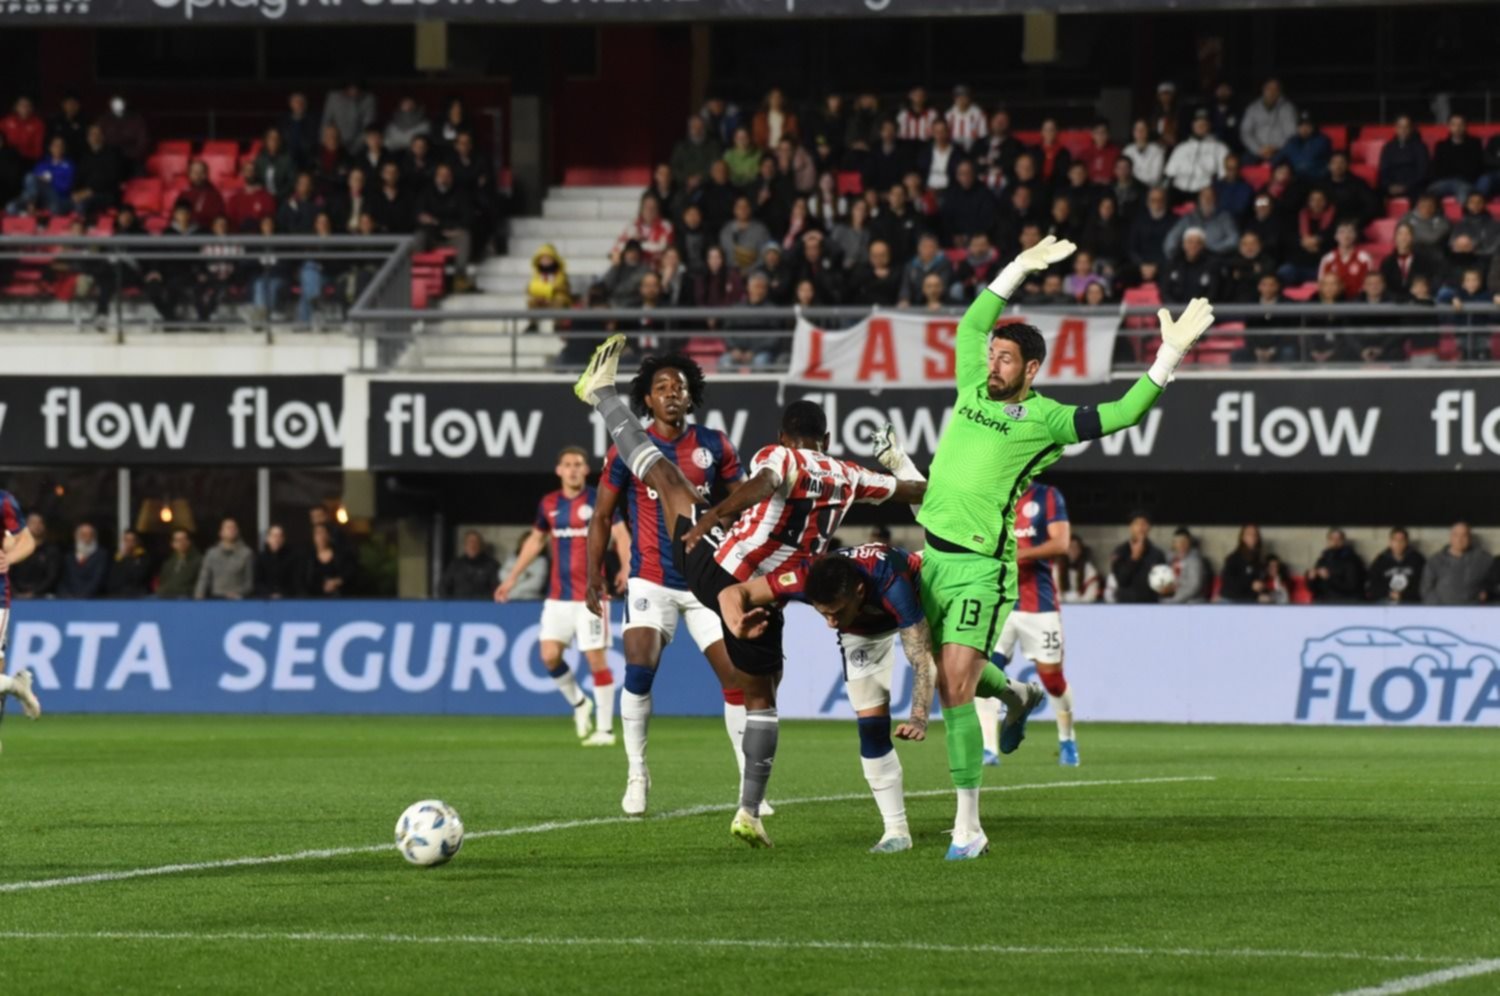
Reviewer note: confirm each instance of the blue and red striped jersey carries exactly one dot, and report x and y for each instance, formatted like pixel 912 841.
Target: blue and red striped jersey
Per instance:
pixel 566 521
pixel 12 520
pixel 891 577
pixel 707 458
pixel 1039 507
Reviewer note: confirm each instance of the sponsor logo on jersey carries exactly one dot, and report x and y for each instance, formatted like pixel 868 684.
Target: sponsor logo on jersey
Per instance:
pixel 980 418
pixel 1016 412
pixel 702 458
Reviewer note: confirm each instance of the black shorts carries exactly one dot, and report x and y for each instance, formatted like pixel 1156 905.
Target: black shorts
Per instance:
pixel 706 579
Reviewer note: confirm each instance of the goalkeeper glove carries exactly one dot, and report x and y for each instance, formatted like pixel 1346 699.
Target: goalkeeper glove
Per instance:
pixel 1029 261
pixel 1177 337
pixel 893 458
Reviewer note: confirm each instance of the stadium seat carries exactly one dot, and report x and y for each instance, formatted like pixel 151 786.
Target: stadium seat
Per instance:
pixel 1144 296
pixel 143 194
pixel 20 225
pixel 1298 590
pixel 1337 134
pixel 58 224
pixel 221 147
pixel 167 165
pixel 1452 210
pixel 1432 134
pixel 1185 207
pixel 1397 207
pixel 850 183
pixel 1028 138
pixel 105 225
pixel 1077 141
pixel 155 224
pixel 706 350
pixel 1302 292
pixel 1382 230
pixel 590 176
pixel 220 166
pixel 1381 132
pixel 1495 209
pixel 1367 150
pixel 1257 176
pixel 1366 172
pixel 174 147
pixel 1220 344
pixel 955 256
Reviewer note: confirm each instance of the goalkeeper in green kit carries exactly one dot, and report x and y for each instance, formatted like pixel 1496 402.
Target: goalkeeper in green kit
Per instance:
pixel 1001 435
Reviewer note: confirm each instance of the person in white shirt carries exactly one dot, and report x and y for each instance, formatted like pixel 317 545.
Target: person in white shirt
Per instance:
pixel 1147 158
pixel 1197 161
pixel 966 120
pixel 938 161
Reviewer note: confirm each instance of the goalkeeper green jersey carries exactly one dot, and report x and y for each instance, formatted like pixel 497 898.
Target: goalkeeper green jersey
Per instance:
pixel 991 450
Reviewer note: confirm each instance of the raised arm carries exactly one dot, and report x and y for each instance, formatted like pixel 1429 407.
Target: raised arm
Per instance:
pixel 972 360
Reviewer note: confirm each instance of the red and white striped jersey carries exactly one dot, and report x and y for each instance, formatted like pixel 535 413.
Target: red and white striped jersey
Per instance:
pixel 968 125
pixel 813 493
pixel 915 126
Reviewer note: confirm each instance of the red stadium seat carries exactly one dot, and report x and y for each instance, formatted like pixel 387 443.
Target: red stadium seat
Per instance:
pixel 143 194
pixel 155 224
pixel 587 176
pixel 174 147
pixel 850 183
pixel 1397 207
pixel 167 165
pixel 706 350
pixel 1373 131
pixel 1366 172
pixel 1366 150
pixel 21 225
pixel 1257 176
pixel 1337 134
pixel 1452 210
pixel 1028 138
pixel 1382 230
pixel 221 147
pixel 58 224
pixel 1297 588
pixel 1302 292
pixel 1077 141
pixel 955 256
pixel 1495 209
pixel 220 166
pixel 1432 134
pixel 104 226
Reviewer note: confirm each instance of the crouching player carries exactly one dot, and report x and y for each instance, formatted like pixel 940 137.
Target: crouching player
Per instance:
pixel 16 545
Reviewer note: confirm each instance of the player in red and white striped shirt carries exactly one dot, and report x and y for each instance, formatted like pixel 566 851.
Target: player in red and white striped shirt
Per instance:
pixel 966 120
pixel 914 121
pixel 794 500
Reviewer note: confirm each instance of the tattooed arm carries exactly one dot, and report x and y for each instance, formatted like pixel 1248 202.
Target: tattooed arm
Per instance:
pixel 916 640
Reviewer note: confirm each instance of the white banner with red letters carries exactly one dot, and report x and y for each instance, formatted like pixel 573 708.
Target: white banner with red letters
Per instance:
pixel 901 349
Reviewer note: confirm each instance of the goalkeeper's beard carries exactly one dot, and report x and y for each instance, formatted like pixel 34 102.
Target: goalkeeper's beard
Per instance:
pixel 999 390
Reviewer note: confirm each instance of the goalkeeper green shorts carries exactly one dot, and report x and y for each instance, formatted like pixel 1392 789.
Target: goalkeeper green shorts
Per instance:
pixel 964 598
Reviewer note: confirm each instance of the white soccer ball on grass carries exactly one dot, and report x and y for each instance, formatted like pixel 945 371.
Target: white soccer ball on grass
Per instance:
pixel 1162 579
pixel 429 833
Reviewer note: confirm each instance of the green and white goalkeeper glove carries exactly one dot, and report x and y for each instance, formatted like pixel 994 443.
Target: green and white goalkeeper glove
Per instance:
pixel 1178 336
pixel 1040 256
pixel 893 458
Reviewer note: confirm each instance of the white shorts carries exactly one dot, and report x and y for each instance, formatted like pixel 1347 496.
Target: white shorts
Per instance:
pixel 562 622
pixel 648 604
pixel 869 662
pixel 1039 634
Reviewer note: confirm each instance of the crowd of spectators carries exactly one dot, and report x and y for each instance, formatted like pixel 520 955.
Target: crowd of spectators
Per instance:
pixel 1459 574
pixel 342 173
pixel 328 567
pixel 753 207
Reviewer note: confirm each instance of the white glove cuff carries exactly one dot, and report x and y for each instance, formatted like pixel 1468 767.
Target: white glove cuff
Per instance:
pixel 1010 278
pixel 1167 358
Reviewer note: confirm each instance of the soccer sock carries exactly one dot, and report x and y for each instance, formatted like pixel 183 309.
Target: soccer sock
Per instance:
pixel 761 734
pixel 1062 708
pixel 625 429
pixel 992 682
pixel 877 755
pixel 734 725
pixel 6 683
pixel 604 700
pixel 635 713
pixel 988 710
pixel 567 684
pixel 965 765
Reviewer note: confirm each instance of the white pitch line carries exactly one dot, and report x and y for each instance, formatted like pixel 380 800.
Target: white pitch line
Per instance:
pixel 700 943
pixel 1412 983
pixel 548 827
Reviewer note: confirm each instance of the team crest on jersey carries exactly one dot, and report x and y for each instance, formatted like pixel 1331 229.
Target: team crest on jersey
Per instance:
pixel 1030 509
pixel 702 458
pixel 584 511
pixel 1017 412
pixel 788 579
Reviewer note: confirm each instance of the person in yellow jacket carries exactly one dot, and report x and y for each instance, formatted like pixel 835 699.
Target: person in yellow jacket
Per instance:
pixel 549 281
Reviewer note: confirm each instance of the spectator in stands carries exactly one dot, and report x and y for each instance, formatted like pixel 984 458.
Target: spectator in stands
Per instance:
pixel 1077 578
pixel 1049 294
pixel 327 573
pixel 1307 151
pixel 1265 349
pixel 692 155
pixel 1241 273
pixel 350 110
pixel 649 229
pixel 1235 195
pixel 331 163
pixel 676 291
pixel 827 124
pixel 178 577
pixel 1166 114
pixel 1190 574
pixel 1224 113
pixel 716 197
pixel 125 131
pixel 228 569
pixel 1060 223
pixel 799 224
pixel 933 294
pixel 1125 190
pixel 692 239
pixel 1316 227
pixel 928 260
pixel 826 205
pixel 1243 578
pixel 1350 195
pixel 1336 345
pixel 980 265
pixel 743 236
pixel 719 285
pixel 1130 565
pixel 169 282
pixel 1100 157
pixel 968 208
pixel 1197 161
pixel 743 159
pixel 1278 584
pixel 851 237
pixel 49 185
pixel 796 166
pixel 780 283
pixel 1083 276
pixel 408 121
pixel 278 571
pixel 1268 226
pixel 1346 261
pixel 24 131
pixel 1457 162
pixel 1339 575
pixel 548 287
pixel 745 352
pixel 129 573
pixel 937 162
pixel 1052 157
pixel 445 216
pixel 297 133
pixel 97 175
pixel 1147 158
pixel 346 207
pixel 1403 161
pixel 473 574
pixel 68 124
pixel 84 571
pixel 1192 272
pixel 1267 124
pixel 1104 236
pixel 1220 233
pixel 1456 574
pixel 1405 263
pixel 1478 225
pixel 1469 292
pixel 269 279
pixel 877 280
pixel 816 265
pixel 622 281
pixel 316 273
pixel 773 121
pixel 475 176
pixel 1148 233
pixel 37 576
pixel 1429 227
pixel 965 120
pixel 889 160
pixel 372 153
pixel 220 274
pixel 301 208
pixel 863 128
pixel 201 198
pixel 455 122
pixel 722 118
pixel 998 152
pixel 1080 193
pixel 391 205
pixel 12 171
pixel 898 225
pixel 275 165
pixel 1395 575
pixel 915 120
pixel 418 165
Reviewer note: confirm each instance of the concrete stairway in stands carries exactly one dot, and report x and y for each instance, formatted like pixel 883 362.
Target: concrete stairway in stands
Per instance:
pixel 582 223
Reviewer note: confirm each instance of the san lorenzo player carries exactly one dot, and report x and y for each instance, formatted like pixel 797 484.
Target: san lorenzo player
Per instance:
pixel 17 544
pixel 668 388
pixel 796 498
pixel 1035 624
pixel 564 516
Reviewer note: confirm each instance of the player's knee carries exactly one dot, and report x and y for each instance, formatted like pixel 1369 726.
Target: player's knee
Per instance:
pixel 867 693
pixel 875 736
pixel 639 678
pixel 1052 680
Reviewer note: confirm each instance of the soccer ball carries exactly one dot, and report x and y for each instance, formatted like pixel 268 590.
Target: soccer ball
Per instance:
pixel 429 832
pixel 1161 579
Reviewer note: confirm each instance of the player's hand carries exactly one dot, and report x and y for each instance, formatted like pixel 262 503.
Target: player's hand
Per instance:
pixel 912 729
pixel 593 597
pixel 887 451
pixel 1046 252
pixel 700 529
pixel 502 593
pixel 622 579
pixel 1182 332
pixel 752 624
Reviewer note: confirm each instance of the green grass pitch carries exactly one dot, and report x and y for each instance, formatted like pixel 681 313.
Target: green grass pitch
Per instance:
pixel 1275 860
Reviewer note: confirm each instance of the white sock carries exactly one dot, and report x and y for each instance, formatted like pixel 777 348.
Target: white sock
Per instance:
pixel 568 685
pixel 966 822
pixel 884 776
pixel 1062 708
pixel 635 716
pixel 734 725
pixel 604 707
pixel 6 682
pixel 989 722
